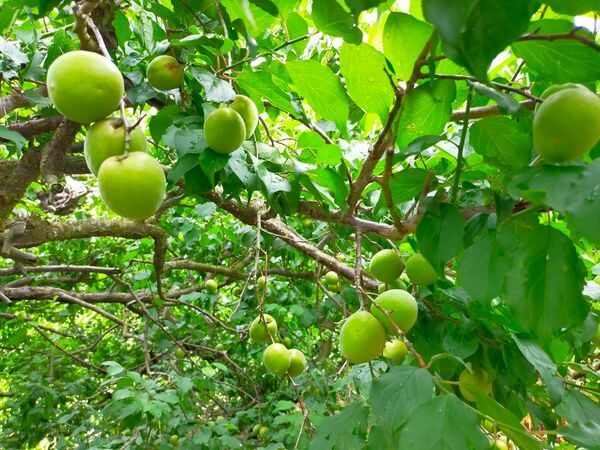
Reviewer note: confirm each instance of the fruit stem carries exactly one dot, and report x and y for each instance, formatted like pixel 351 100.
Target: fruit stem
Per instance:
pixel 461 146
pixel 106 54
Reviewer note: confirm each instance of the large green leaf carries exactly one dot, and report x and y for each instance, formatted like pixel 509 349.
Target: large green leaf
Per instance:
pixel 331 18
pixel 260 85
pixel 256 19
pixel 573 190
pixel 561 60
pixel 475 31
pixel 363 68
pixel 407 184
pixel 544 365
pixel 425 111
pixel 440 234
pixel 483 265
pixel 442 423
pixel 396 394
pixel 507 421
pixel 544 286
pixel 574 7
pixel 321 89
pixel 404 38
pixel 343 431
pixel 583 416
pixel 501 143
pixel 356 6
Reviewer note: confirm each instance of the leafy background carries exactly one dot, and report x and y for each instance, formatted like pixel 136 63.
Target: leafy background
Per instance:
pixel 404 124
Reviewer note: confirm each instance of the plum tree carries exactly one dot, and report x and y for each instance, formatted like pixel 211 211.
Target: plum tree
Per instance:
pixel 468 381
pixel 106 138
pixel 362 337
pixel 419 271
pixel 164 73
pixel 260 331
pixel 401 307
pixel 386 265
pixel 395 350
pixel 224 130
pixel 246 108
pixel 84 86
pixel 277 359
pixel 567 125
pixel 179 353
pixel 132 186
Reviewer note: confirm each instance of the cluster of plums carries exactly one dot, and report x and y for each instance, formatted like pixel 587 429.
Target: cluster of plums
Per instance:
pixel 363 336
pixel 86 87
pixel 277 358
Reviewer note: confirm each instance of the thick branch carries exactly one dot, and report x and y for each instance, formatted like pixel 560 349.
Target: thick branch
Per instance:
pixel 51 162
pixel 17 100
pixel 43 269
pixel 35 127
pixel 276 227
pixel 315 211
pixel 555 37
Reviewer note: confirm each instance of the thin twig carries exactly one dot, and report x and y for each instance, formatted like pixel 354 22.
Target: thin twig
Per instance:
pixel 106 54
pixel 461 147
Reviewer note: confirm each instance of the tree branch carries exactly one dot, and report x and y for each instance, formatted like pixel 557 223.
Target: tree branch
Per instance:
pixel 18 99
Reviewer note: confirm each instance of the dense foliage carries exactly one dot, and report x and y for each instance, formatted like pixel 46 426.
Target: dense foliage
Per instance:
pixel 403 125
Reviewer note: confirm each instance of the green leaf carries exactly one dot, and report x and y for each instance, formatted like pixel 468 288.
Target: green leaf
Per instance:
pixel 12 136
pixel 285 7
pixel 183 166
pixel 344 431
pixel 506 103
pixel 331 18
pixel 215 88
pixel 586 434
pixel 407 184
pixel 440 234
pixel 576 407
pixel 544 365
pixel 544 286
pixel 161 121
pixel 574 7
pixel 475 31
pixel 317 151
pixel 506 421
pixel 483 265
pixel 404 38
pixel 442 423
pixel 425 111
pixel 256 19
pixel 573 190
pixel 363 68
pixel 334 182
pixel 561 60
pixel 266 5
pixel 321 89
pixel 501 143
pixel 356 6
pixel 260 84
pixel 395 395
